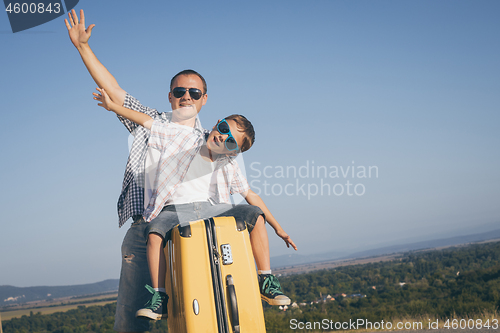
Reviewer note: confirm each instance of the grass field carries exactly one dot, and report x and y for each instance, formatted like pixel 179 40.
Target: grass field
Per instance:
pixel 62 307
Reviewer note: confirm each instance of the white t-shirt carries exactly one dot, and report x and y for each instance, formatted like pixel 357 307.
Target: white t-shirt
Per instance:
pixel 151 163
pixel 197 184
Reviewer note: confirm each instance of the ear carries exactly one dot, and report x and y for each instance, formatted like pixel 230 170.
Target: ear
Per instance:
pixel 170 97
pixel 215 126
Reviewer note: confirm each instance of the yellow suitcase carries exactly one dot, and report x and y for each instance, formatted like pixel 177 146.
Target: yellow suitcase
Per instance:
pixel 211 279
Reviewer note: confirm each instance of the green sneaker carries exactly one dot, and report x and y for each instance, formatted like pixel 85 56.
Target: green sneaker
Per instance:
pixel 270 290
pixel 156 307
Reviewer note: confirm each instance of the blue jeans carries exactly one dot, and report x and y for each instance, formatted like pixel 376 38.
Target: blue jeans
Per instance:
pixel 133 277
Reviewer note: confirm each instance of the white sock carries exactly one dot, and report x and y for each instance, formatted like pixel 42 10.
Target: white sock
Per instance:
pixel 263 272
pixel 161 289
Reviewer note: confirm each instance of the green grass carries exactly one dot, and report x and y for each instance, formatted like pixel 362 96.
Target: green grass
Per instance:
pixel 59 306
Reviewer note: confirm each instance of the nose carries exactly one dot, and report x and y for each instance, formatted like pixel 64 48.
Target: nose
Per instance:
pixel 186 95
pixel 222 137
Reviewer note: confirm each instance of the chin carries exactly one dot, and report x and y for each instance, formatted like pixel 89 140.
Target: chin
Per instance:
pixel 187 112
pixel 189 115
pixel 189 108
pixel 213 148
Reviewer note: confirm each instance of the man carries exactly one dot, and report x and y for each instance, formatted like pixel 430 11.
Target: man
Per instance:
pixel 134 273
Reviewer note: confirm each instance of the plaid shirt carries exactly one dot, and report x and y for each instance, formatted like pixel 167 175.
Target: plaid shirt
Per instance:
pixel 131 200
pixel 178 147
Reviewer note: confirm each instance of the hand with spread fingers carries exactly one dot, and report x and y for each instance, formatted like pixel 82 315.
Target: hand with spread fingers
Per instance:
pixel 76 28
pixel 103 97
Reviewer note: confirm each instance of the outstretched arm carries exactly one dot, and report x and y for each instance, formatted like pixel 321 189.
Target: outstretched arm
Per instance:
pixel 79 37
pixel 255 200
pixel 135 116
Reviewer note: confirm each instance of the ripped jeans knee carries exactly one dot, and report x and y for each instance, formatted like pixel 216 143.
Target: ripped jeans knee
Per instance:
pixel 128 257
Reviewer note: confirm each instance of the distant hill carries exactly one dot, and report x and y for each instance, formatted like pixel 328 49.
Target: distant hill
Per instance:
pixel 10 295
pixel 430 244
pixel 299 259
pixel 295 259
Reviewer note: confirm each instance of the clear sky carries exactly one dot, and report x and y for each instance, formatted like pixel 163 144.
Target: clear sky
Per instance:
pixel 408 88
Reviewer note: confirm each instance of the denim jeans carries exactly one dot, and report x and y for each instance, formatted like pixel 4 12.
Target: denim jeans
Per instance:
pixel 133 277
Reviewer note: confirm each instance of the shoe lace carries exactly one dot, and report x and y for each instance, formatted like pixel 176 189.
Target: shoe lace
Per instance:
pixel 155 302
pixel 272 286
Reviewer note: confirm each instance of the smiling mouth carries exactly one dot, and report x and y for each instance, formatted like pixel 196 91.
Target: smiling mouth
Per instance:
pixel 216 142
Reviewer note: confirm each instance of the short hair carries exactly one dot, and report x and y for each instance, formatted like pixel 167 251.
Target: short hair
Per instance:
pixel 245 126
pixel 189 72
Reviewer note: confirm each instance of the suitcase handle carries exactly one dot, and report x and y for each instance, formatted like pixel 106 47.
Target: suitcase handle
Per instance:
pixel 234 304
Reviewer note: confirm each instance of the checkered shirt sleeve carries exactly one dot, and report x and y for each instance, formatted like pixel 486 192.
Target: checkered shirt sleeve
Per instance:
pixel 230 180
pixel 132 103
pixel 239 183
pixel 131 200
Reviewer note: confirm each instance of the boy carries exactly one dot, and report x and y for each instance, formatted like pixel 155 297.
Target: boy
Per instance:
pixel 195 176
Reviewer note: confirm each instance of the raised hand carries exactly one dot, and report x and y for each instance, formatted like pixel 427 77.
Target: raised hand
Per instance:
pixel 76 28
pixel 103 97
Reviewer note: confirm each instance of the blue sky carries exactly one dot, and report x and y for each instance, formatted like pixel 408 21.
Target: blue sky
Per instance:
pixel 409 88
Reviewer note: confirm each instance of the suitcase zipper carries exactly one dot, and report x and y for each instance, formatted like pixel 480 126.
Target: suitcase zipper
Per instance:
pixel 216 255
pixel 218 286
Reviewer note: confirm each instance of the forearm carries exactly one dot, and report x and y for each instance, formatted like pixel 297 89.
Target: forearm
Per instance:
pixel 254 199
pixel 101 75
pixel 135 116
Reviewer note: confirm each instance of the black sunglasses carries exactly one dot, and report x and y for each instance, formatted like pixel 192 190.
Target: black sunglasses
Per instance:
pixel 230 142
pixel 195 94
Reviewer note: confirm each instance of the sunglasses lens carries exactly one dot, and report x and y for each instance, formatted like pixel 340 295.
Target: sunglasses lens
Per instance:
pixel 179 92
pixel 223 127
pixel 195 93
pixel 231 144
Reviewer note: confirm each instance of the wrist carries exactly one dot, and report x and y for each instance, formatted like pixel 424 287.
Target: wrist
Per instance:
pixel 113 107
pixel 83 47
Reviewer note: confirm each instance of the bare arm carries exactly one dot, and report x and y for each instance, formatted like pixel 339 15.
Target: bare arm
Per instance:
pixel 135 116
pixel 79 37
pixel 255 200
